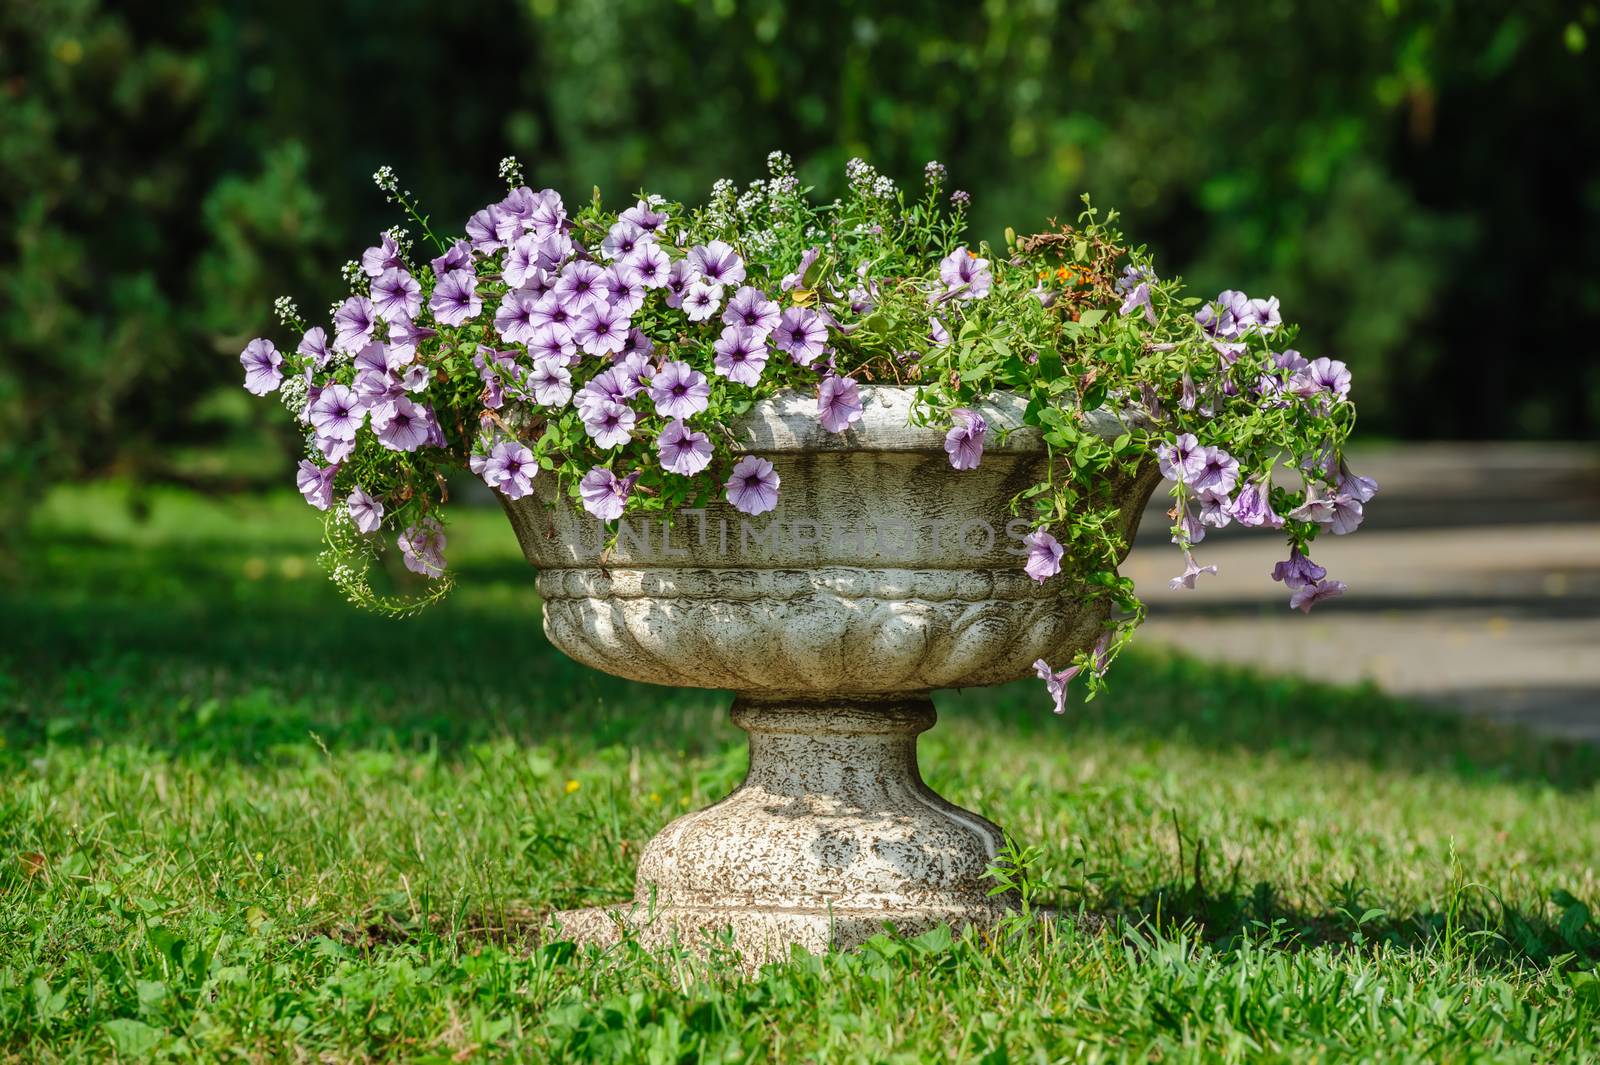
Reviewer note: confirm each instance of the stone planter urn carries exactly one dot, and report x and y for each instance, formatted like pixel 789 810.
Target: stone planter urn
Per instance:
pixel 882 575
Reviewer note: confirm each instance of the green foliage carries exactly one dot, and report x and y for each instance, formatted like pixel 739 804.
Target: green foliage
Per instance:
pixel 238 820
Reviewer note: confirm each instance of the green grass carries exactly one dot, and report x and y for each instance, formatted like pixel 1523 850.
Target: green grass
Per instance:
pixel 240 820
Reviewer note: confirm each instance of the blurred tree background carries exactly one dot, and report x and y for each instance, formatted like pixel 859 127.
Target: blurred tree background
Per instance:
pixel 1415 178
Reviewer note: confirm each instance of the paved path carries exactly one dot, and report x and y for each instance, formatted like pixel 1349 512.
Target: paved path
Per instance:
pixel 1475 582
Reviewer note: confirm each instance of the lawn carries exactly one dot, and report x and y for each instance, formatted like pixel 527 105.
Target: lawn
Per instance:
pixel 239 819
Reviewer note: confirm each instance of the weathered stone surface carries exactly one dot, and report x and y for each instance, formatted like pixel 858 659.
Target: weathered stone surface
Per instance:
pixel 882 575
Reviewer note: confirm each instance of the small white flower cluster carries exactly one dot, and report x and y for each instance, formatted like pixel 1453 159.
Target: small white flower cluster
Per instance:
pixel 722 204
pixel 402 239
pixel 752 199
pixel 384 178
pixel 866 182
pixel 511 171
pixel 352 273
pixel 761 241
pixel 288 313
pixel 934 173
pixel 779 164
pixel 294 394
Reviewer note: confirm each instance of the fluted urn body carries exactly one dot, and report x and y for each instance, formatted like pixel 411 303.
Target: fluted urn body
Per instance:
pixel 883 574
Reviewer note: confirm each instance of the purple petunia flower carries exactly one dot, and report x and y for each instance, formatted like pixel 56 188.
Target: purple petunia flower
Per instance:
pixel 838 403
pixel 964 442
pixel 513 319
pixel 1132 277
pixel 580 285
pixel 396 295
pixel 422 548
pixel 624 288
pixel 404 336
pixel 316 483
pixel 336 413
pixel 604 494
pixel 623 238
pixel 353 324
pixel 802 333
pixel 1321 375
pixel 965 276
pixel 680 276
pixel 1312 594
pixel 455 298
pixel 314 346
pixel 513 216
pixel 1216 320
pixel 1252 508
pixel 740 355
pixel 639 343
pixel 642 216
pixel 1191 570
pixel 1347 514
pixel 402 425
pixel 651 263
pixel 552 343
pixel 377 357
pixel 601 329
pixel 334 451
pixel 554 251
pixel 521 261
pixel 1218 473
pixel 377 261
pixel 607 386
pixel 632 372
pixel 1317 506
pixel 609 424
pixel 1297 570
pixel 1056 683
pixel 538 282
pixel 365 511
pixel 1257 314
pixel 481 232
pixel 753 486
pixel 701 299
pixel 678 391
pixel 551 312
pixel 717 263
pixel 1362 489
pixel 457 257
pixel 682 450
pixel 1044 555
pixel 1137 299
pixel 510 468
pixel 415 378
pixel 1214 511
pixel 261 360
pixel 549 215
pixel 1182 459
pixel 938 335
pixel 750 308
pixel 551 382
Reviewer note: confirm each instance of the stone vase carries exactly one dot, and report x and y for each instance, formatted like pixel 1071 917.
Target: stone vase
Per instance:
pixel 883 574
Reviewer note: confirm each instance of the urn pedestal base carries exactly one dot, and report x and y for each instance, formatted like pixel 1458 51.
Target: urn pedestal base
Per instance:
pixel 832 834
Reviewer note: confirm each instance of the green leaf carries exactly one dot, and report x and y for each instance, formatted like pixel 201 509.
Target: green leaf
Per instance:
pixel 816 271
pixel 131 1038
pixel 1091 318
